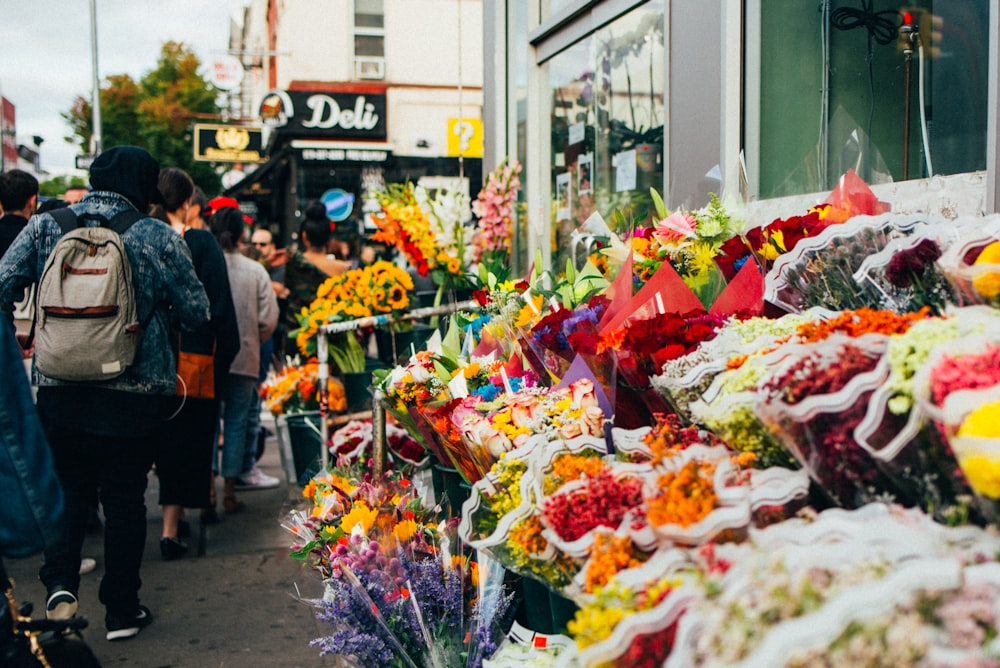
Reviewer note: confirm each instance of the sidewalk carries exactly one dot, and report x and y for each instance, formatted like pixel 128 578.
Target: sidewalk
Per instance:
pixel 231 601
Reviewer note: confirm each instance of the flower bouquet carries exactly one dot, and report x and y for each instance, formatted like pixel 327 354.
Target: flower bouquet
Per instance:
pixel 877 586
pixel 709 493
pixel 348 507
pixel 431 233
pixel 643 346
pixel 820 270
pixel 417 608
pixel 501 517
pixel 494 206
pixel 424 380
pixel 765 244
pixel 904 276
pixel 294 389
pixel 895 430
pixel 976 444
pixel 572 513
pixel 814 400
pixel 631 621
pixel 972 263
pixel 489 428
pixel 399 590
pixel 727 409
pixel 690 242
pixel 686 379
pixel 380 288
pixel 950 383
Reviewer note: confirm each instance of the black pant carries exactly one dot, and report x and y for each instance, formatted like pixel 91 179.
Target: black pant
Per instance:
pixel 115 468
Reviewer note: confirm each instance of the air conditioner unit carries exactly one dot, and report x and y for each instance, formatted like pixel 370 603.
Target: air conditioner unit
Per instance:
pixel 369 68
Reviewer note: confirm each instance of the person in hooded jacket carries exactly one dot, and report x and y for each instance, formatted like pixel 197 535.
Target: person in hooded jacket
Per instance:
pixel 101 432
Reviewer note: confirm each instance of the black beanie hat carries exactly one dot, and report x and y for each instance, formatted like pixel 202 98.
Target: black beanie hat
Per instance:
pixel 129 171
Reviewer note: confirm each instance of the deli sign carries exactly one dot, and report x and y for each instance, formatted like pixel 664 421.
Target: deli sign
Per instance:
pixel 343 115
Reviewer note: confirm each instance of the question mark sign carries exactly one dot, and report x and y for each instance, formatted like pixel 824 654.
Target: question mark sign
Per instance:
pixel 464 131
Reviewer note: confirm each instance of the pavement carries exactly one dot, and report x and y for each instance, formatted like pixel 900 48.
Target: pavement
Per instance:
pixel 234 600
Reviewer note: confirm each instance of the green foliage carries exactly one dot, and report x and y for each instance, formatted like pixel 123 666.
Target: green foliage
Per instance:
pixel 157 113
pixel 55 187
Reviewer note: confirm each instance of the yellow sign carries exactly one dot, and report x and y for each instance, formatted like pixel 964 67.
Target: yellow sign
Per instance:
pixel 465 137
pixel 228 143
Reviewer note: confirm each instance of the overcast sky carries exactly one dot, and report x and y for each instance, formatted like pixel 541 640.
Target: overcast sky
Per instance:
pixel 46 55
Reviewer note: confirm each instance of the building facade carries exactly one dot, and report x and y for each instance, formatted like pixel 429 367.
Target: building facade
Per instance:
pixel 362 93
pixel 763 102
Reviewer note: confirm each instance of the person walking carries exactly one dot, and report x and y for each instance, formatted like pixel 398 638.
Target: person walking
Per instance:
pixel 18 200
pixel 257 314
pixel 101 432
pixel 186 443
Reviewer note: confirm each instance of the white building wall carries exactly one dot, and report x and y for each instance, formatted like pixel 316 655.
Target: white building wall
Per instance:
pixel 318 41
pixel 422 41
pixel 417 114
pixel 423 44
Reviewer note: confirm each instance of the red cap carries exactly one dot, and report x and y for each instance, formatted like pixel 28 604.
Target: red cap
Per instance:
pixel 217 203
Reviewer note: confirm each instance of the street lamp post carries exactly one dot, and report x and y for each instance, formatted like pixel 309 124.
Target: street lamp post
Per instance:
pixel 95 137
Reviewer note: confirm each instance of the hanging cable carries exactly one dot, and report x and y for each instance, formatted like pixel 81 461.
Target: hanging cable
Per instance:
pixel 880 29
pixel 923 108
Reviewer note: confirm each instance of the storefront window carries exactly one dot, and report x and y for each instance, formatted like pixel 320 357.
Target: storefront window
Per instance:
pixel 846 87
pixel 606 125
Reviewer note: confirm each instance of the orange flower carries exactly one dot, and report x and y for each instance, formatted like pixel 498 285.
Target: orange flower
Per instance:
pixel 609 555
pixel 686 497
pixel 861 321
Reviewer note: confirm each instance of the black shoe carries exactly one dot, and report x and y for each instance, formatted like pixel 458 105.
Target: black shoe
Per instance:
pixel 171 549
pixel 122 628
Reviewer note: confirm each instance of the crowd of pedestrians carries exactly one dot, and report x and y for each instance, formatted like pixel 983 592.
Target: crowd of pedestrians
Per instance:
pixel 205 283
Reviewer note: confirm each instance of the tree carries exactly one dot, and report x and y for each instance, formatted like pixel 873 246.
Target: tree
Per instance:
pixel 57 185
pixel 157 113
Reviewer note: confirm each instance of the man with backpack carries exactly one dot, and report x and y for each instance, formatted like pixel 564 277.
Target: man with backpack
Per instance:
pixel 110 280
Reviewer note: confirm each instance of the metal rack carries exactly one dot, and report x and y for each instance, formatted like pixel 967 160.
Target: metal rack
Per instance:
pixel 378 410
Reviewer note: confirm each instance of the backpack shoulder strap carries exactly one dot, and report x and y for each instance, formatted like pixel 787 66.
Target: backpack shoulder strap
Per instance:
pixel 66 219
pixel 124 220
pixel 119 223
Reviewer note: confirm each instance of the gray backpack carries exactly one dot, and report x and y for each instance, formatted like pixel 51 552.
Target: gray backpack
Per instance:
pixel 85 314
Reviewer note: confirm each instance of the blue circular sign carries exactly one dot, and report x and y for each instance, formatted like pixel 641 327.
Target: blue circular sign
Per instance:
pixel 339 204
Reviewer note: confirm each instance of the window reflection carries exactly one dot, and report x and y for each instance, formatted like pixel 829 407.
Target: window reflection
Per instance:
pixel 846 88
pixel 606 126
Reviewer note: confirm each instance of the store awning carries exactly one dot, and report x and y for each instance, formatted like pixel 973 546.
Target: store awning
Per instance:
pixel 263 171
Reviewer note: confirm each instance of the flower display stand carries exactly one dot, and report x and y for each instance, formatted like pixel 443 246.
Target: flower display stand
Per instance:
pixel 301 445
pixel 356 388
pixel 284 446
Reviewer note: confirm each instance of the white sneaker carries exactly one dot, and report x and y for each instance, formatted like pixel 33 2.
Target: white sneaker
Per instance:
pixel 256 479
pixel 87 564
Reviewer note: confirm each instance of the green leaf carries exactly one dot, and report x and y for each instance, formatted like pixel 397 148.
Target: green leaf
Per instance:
pixel 303 552
pixel 451 345
pixel 661 208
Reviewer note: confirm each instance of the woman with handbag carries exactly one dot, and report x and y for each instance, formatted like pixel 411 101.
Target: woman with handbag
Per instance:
pixel 186 444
